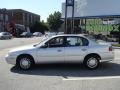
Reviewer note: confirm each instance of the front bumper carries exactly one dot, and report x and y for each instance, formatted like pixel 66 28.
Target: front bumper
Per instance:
pixel 10 59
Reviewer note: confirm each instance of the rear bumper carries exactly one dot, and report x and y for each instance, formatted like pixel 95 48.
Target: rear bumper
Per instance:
pixel 108 60
pixel 106 57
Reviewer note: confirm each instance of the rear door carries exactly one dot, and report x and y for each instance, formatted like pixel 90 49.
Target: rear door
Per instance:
pixel 75 49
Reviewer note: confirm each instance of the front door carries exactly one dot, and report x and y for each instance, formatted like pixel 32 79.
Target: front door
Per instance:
pixel 53 53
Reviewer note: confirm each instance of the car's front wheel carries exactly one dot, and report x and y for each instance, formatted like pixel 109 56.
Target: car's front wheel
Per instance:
pixel 25 63
pixel 91 62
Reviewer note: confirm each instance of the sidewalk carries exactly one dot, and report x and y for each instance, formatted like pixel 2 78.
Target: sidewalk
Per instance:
pixel 115 47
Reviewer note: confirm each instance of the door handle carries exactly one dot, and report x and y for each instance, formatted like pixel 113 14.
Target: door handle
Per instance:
pixel 84 49
pixel 59 50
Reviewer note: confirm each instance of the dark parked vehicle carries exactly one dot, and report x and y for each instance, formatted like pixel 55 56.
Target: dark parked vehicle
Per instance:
pixel 26 34
pixel 5 35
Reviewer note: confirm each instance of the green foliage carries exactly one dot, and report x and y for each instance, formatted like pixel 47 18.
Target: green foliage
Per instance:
pixel 116 45
pixel 54 21
pixel 39 27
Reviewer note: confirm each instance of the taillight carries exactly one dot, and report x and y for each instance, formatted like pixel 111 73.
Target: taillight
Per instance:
pixel 110 48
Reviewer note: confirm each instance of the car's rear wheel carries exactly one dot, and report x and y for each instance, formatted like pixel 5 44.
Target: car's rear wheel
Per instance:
pixel 91 62
pixel 25 63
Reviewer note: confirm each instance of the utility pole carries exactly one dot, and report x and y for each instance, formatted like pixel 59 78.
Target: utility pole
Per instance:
pixel 69 3
pixel 66 18
pixel 4 17
pixel 72 29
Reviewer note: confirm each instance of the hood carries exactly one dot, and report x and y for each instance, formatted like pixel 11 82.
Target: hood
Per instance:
pixel 23 48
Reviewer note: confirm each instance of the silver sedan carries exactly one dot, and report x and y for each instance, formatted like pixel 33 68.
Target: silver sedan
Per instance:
pixel 61 49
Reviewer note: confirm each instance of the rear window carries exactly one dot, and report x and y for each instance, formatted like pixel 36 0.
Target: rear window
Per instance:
pixel 92 38
pixel 85 41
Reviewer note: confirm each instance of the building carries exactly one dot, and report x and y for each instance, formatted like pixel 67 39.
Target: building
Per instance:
pixel 3 19
pixel 17 16
pixel 94 15
pixel 22 17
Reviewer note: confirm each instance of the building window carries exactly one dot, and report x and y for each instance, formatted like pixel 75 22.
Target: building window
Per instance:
pixel 6 17
pixel 31 18
pixel 1 16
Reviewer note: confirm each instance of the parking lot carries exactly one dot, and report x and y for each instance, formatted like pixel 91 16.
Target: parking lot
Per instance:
pixel 56 77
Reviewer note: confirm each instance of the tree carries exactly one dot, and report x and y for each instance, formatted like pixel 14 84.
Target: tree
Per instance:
pixel 54 21
pixel 39 27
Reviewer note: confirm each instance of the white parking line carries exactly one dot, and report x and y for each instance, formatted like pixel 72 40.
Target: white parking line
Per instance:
pixel 90 78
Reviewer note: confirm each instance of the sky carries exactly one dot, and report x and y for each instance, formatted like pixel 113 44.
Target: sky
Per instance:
pixel 42 7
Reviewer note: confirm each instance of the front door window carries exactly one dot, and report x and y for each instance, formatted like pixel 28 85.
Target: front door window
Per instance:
pixel 56 42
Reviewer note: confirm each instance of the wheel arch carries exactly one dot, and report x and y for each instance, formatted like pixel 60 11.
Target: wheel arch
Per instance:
pixel 93 54
pixel 24 55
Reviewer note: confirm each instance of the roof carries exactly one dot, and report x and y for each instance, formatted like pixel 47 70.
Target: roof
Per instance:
pixel 95 17
pixel 69 35
pixel 21 10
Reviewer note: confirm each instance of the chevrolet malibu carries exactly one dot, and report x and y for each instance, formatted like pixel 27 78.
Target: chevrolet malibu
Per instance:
pixel 61 49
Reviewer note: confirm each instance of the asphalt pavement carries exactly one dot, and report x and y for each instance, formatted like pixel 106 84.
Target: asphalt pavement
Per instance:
pixel 57 77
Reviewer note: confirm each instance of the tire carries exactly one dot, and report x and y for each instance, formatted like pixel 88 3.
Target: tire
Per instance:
pixel 6 38
pixel 10 37
pixel 3 38
pixel 91 62
pixel 25 62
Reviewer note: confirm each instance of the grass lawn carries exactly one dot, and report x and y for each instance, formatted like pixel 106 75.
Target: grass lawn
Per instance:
pixel 116 45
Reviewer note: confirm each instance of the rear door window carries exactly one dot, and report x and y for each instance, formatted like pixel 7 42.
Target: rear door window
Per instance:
pixel 76 41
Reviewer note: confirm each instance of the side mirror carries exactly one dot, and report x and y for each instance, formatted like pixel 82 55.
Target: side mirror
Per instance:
pixel 44 46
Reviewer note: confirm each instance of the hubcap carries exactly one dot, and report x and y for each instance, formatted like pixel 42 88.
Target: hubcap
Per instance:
pixel 25 63
pixel 92 62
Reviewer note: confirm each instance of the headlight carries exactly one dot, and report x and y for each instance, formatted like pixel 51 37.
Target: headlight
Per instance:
pixel 11 54
pixel 8 54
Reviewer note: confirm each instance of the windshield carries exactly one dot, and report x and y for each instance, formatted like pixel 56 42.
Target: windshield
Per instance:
pixel 43 39
pixel 91 37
